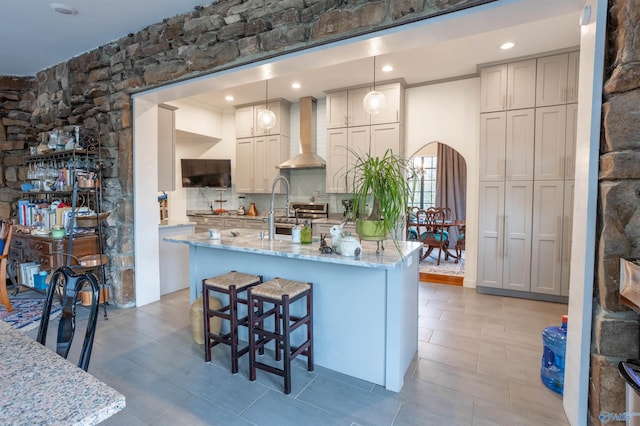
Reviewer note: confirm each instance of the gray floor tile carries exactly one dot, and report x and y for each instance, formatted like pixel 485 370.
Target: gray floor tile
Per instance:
pixel 275 408
pixel 478 363
pixel 347 401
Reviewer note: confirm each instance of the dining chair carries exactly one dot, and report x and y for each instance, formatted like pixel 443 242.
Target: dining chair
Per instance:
pixel 65 285
pixel 431 229
pixel 4 258
pixel 411 233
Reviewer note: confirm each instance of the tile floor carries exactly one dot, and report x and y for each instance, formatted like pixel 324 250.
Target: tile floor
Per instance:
pixel 478 364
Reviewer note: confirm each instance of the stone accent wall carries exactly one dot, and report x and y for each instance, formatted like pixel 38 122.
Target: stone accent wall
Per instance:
pixel 616 332
pixel 94 90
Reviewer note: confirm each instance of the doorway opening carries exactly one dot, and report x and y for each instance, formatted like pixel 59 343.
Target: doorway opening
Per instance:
pixel 441 183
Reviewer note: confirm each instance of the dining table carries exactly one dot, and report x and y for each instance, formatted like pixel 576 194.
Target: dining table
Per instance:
pixel 39 387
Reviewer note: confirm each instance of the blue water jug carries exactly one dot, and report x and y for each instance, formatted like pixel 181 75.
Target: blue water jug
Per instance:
pixel 554 341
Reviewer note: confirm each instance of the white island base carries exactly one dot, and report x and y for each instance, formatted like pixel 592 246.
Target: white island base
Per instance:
pixel 365 310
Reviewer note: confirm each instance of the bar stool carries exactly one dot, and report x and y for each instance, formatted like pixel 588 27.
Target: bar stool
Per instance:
pixel 280 293
pixel 233 284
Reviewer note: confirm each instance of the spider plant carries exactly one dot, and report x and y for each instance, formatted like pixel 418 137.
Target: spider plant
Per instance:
pixel 382 183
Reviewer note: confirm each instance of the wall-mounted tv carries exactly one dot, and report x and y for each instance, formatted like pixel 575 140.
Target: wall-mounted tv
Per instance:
pixel 206 173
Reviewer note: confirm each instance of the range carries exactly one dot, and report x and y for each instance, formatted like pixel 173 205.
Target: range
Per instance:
pixel 302 211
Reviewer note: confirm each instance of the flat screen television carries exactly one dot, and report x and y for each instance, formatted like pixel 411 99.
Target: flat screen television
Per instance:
pixel 206 173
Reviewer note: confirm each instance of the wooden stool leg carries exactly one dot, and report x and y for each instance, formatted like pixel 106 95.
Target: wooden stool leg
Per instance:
pixel 286 343
pixel 310 330
pixel 205 316
pixel 252 339
pixel 233 312
pixel 277 330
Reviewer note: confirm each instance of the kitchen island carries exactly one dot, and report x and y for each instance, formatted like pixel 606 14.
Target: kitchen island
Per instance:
pixel 365 308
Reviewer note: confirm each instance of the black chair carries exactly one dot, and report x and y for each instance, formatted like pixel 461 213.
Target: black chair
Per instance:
pixel 66 285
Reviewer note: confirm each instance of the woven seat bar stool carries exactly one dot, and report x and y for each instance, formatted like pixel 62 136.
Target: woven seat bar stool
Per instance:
pixel 280 293
pixel 232 284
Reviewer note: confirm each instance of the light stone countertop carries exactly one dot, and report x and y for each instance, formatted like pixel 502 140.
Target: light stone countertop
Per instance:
pixel 175 224
pixel 39 387
pixel 248 240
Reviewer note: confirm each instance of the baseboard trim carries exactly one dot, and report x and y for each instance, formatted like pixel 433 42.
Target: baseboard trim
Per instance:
pixel 441 279
pixel 522 294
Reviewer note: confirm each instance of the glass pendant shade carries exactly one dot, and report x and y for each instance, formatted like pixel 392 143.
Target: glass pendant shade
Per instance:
pixel 266 119
pixel 374 102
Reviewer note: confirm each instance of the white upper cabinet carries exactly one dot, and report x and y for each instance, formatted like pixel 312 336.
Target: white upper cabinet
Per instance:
pixel 247 119
pixel 492 146
pixel 357 116
pixel 551 80
pixel 572 77
pixel 385 137
pixel 345 107
pixel 519 148
pixel 508 86
pixel 244 122
pixel 570 142
pixel 244 165
pixel 550 144
pixel 394 103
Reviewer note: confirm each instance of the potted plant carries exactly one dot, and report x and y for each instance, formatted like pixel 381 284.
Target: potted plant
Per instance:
pixel 383 184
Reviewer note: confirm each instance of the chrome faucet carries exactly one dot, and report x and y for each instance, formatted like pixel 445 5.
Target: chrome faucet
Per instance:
pixel 273 195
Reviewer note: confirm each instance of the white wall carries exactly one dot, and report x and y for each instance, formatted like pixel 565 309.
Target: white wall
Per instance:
pixel 449 113
pixel 197 118
pixel 217 140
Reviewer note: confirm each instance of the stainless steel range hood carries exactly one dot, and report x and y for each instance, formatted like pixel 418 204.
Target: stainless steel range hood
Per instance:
pixel 307 159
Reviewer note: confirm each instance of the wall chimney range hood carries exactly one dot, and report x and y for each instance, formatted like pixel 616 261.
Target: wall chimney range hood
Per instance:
pixel 307 159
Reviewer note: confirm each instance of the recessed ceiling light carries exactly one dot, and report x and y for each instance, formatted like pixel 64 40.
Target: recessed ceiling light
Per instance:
pixel 295 85
pixel 387 68
pixel 63 8
pixel 507 45
pixel 228 98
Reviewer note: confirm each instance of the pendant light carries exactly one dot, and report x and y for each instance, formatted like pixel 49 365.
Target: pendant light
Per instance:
pixel 374 101
pixel 266 117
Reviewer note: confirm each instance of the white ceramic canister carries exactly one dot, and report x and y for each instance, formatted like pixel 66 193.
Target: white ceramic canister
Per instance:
pixel 295 234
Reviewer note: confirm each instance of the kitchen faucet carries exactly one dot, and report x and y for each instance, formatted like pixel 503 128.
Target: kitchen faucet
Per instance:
pixel 273 195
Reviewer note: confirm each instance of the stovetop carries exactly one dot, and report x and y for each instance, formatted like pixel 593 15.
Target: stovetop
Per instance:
pixel 305 211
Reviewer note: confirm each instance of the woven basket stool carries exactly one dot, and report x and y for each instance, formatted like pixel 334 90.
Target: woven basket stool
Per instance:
pixel 233 284
pixel 280 293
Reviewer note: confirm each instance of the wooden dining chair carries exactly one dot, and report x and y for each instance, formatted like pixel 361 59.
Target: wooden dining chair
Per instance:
pixel 66 285
pixel 412 220
pixel 432 232
pixel 4 258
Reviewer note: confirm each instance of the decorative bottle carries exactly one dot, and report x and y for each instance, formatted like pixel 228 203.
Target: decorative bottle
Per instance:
pixel 305 233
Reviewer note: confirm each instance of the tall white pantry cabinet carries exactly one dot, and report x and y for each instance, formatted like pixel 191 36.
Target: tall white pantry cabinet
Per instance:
pixel 527 144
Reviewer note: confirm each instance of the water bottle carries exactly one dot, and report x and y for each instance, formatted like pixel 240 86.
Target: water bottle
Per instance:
pixel 554 341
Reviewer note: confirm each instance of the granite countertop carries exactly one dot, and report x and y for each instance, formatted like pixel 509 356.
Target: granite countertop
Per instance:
pixel 248 240
pixel 175 224
pixel 39 387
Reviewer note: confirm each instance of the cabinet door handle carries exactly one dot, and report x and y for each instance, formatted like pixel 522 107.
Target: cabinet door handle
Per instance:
pixel 39 246
pixel 504 101
pixel 559 238
pixel 509 102
pixel 500 227
pixel 506 236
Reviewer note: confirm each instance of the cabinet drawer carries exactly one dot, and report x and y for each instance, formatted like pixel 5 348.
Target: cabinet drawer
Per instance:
pixel 15 253
pixel 38 246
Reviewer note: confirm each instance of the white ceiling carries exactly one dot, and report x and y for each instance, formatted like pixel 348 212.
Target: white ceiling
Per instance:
pixel 34 37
